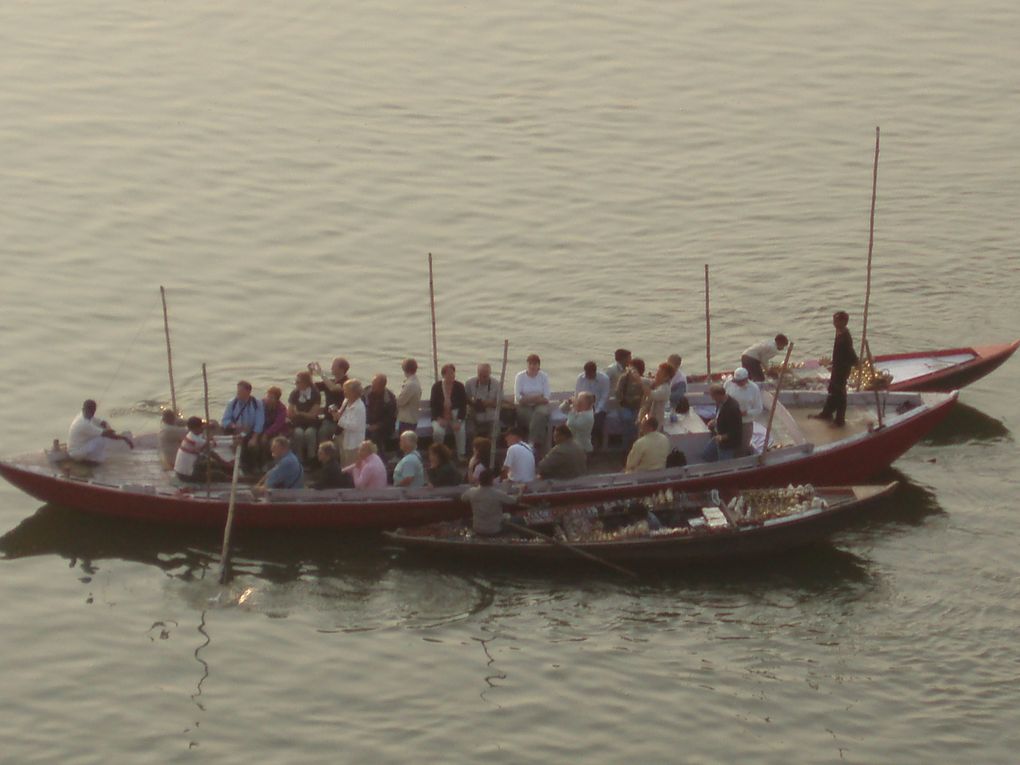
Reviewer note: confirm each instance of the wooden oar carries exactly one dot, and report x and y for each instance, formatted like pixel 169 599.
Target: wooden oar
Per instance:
pixel 225 552
pixel 575 550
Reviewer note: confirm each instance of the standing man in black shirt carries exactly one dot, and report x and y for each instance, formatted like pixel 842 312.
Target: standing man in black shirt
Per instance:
pixel 844 358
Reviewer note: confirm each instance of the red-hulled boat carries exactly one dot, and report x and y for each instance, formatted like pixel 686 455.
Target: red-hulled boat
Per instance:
pixel 936 371
pixel 132 484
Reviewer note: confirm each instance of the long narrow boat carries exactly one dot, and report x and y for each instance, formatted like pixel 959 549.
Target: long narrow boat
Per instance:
pixel 132 484
pixel 684 528
pixel 933 371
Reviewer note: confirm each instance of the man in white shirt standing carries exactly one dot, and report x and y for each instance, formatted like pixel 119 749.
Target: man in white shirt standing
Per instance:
pixel 519 463
pixel 86 437
pixel 755 358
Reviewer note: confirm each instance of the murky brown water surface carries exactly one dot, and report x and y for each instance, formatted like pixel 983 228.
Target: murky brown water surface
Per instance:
pixel 284 171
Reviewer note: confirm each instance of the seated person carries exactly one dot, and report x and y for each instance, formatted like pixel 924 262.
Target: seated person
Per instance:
pixel 195 462
pixel 245 418
pixel 566 459
pixel 747 394
pixel 531 395
pixel 519 463
pixel 482 395
pixel 581 418
pixel 286 472
pixel 448 404
pixel 687 420
pixel 481 448
pixel 303 407
pixel 275 421
pixel 86 439
pixel 650 450
pixel 368 470
pixel 409 472
pixel 442 471
pixel 171 431
pixel 726 425
pixel 332 477
pixel 487 505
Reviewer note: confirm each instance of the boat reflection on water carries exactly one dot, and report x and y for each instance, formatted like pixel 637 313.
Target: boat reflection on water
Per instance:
pixel 192 554
pixel 364 559
pixel 965 425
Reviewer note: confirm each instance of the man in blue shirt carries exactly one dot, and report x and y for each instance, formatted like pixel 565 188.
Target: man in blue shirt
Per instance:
pixel 409 471
pixel 245 417
pixel 286 473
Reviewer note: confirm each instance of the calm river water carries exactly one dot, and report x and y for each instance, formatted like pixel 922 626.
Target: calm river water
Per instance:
pixel 285 169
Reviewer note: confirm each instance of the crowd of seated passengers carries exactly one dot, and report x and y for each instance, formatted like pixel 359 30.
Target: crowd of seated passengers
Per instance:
pixel 345 433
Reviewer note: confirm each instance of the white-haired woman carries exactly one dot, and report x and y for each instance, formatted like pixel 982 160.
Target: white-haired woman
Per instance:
pixel 350 419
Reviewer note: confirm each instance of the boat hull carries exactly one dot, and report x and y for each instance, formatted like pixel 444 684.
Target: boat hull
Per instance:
pixel 705 547
pixel 853 460
pixel 968 365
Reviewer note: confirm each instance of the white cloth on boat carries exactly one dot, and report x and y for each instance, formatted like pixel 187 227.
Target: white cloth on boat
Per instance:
pixel 85 439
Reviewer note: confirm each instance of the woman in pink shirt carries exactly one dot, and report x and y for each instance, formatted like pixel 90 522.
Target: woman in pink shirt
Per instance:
pixel 369 471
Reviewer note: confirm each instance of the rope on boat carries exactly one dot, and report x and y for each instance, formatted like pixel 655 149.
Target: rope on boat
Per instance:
pixel 127 352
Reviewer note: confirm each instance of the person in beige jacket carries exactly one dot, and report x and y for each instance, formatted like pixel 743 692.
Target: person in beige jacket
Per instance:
pixel 409 398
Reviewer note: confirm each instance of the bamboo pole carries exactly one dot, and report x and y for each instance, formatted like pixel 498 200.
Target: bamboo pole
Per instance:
pixel 775 400
pixel 708 331
pixel 205 396
pixel 169 352
pixel 871 244
pixel 225 551
pixel 499 407
pixel 432 305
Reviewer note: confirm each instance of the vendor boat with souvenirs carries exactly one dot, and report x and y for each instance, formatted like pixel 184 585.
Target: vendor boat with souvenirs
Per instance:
pixel 665 526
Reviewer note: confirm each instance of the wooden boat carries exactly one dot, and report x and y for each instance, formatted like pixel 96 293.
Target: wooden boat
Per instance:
pixel 133 485
pixel 668 527
pixel 936 371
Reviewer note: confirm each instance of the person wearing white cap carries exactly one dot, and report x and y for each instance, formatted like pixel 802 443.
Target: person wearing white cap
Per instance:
pixel 758 355
pixel 748 395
